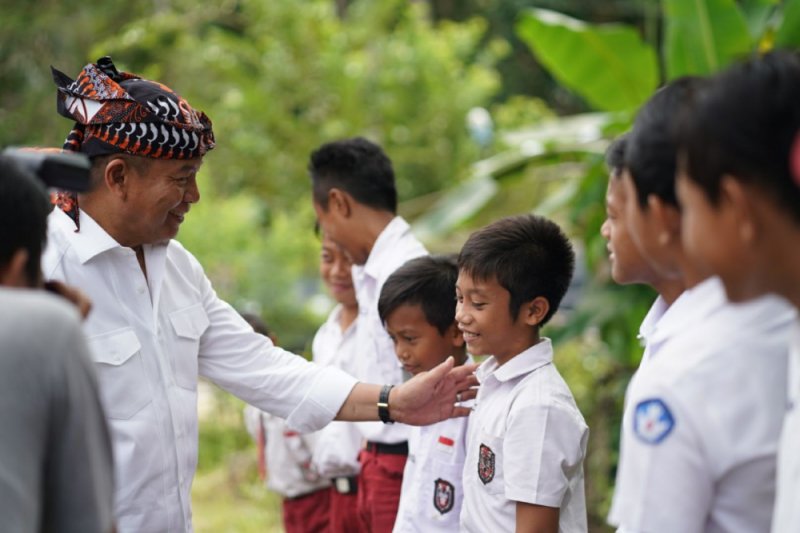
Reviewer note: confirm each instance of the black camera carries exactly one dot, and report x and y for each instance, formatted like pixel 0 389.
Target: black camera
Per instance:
pixel 58 170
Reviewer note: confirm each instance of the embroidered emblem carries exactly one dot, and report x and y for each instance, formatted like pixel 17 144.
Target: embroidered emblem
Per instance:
pixel 485 464
pixel 652 421
pixel 444 494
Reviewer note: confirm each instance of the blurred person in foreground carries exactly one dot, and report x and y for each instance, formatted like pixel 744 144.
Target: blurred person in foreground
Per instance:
pixel 158 323
pixel 55 453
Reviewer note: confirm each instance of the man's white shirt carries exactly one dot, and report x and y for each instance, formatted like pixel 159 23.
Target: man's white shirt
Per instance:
pixel 787 499
pixel 376 359
pixel 700 428
pixel 150 339
pixel 526 443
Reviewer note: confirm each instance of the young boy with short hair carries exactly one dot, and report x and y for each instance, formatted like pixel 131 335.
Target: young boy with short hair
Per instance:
pixel 739 186
pixel 416 307
pixel 702 420
pixel 527 439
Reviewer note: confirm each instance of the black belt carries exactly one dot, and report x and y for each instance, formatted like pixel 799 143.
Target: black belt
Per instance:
pixel 345 485
pixel 401 448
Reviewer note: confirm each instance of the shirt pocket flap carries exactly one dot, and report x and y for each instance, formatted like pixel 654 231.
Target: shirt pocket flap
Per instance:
pixel 189 323
pixel 115 347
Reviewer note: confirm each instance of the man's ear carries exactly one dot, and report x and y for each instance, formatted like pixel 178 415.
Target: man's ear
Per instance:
pixel 455 335
pixel 340 202
pixel 117 176
pixel 534 311
pixel 12 274
pixel 668 218
pixel 735 198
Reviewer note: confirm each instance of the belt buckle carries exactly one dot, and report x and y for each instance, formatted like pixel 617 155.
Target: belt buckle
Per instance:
pixel 343 485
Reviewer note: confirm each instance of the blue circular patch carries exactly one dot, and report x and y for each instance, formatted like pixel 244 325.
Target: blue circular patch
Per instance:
pixel 652 421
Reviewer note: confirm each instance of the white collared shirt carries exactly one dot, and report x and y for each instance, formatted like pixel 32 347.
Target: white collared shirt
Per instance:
pixel 150 339
pixel 338 443
pixel 377 362
pixel 700 435
pixel 432 492
pixel 649 325
pixel 526 443
pixel 787 499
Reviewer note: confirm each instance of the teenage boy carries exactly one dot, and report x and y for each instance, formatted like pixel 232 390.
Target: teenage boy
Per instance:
pixel 628 266
pixel 336 451
pixel 700 432
pixel 416 306
pixel 527 438
pixel 739 186
pixel 355 201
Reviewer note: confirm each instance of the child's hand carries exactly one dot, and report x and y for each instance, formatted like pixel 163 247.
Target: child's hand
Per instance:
pixel 431 396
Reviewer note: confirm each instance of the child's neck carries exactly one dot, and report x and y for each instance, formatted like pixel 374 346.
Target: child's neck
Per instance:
pixel 347 316
pixel 514 351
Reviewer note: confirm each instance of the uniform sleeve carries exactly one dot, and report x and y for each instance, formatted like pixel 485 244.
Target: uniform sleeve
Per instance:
pixel 664 484
pixel 79 476
pixel 336 450
pixel 249 366
pixel 543 451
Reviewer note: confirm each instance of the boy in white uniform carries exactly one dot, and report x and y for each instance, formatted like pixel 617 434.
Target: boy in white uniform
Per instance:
pixel 416 305
pixel 700 431
pixel 739 186
pixel 335 454
pixel 527 438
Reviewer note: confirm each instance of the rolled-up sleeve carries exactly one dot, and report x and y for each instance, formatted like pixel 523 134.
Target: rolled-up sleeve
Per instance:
pixel 249 366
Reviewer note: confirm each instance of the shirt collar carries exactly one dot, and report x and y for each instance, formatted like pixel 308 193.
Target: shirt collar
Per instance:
pixel 650 321
pixel 526 362
pixel 384 245
pixel 691 306
pixel 92 240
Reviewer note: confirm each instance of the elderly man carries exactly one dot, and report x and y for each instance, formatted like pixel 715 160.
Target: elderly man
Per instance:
pixel 157 323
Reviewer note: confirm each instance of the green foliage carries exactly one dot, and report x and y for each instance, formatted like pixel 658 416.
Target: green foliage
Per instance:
pixel 788 35
pixel 702 37
pixel 587 58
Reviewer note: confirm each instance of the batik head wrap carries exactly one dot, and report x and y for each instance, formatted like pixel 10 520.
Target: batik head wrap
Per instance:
pixel 121 113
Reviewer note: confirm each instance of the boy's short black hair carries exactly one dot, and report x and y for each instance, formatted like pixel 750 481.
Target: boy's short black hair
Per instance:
pixel 24 206
pixel 356 166
pixel 615 155
pixel 651 151
pixel 428 281
pixel 528 255
pixel 743 124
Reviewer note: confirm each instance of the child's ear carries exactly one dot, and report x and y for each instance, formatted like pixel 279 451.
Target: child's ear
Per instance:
pixel 533 312
pixel 734 196
pixel 668 219
pixel 340 202
pixel 455 335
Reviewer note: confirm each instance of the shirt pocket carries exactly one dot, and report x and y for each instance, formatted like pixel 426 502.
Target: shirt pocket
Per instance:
pixel 488 467
pixel 441 495
pixel 189 324
pixel 120 372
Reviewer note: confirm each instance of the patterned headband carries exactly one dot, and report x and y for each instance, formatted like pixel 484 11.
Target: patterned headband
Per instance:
pixel 118 112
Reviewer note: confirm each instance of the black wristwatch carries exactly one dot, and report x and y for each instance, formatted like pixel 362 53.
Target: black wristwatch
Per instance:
pixel 383 405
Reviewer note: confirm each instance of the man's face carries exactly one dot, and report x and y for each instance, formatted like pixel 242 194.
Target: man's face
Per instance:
pixel 336 274
pixel 627 263
pixel 160 194
pixel 484 318
pixel 336 226
pixel 709 236
pixel 418 344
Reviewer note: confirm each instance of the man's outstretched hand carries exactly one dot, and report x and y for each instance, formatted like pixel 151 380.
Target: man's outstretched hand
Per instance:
pixel 431 396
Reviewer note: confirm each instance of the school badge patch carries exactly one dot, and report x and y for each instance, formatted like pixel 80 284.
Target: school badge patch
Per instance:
pixel 485 464
pixel 444 494
pixel 652 421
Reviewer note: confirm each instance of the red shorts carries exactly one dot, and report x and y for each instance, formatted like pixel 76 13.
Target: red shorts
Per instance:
pixel 344 513
pixel 308 513
pixel 379 489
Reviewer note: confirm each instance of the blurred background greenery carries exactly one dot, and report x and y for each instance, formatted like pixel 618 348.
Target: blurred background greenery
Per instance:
pixel 487 108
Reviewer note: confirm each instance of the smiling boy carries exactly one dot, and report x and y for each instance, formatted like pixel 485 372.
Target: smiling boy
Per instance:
pixel 527 439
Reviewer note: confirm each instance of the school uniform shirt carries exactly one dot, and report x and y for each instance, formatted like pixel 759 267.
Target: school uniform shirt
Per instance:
pixel 376 360
pixel 337 444
pixel 432 492
pixel 526 443
pixel 787 499
pixel 648 327
pixel 700 436
pixel 150 338
pixel 288 453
